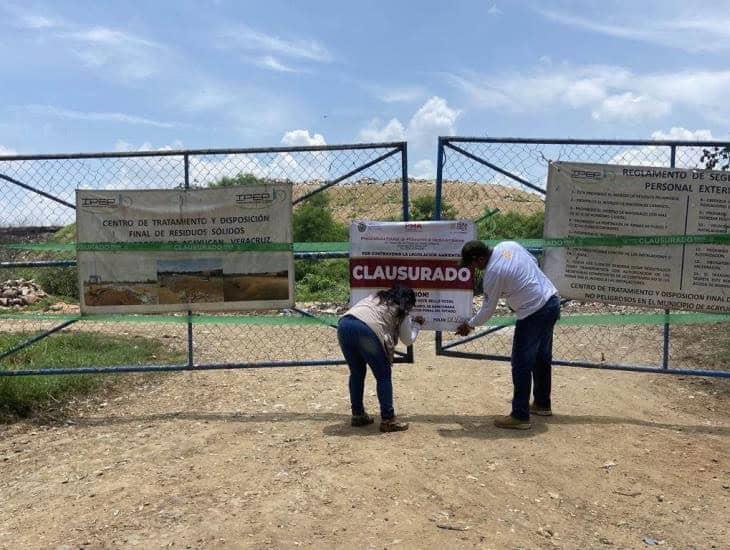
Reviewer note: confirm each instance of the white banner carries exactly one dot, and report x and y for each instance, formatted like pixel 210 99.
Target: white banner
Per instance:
pixel 608 200
pixel 422 255
pixel 233 249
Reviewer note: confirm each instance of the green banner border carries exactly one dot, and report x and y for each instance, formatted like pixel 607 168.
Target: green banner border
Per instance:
pixel 587 319
pixel 344 246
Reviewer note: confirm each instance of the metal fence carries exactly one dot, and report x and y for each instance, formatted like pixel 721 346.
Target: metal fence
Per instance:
pixel 503 179
pixel 37 198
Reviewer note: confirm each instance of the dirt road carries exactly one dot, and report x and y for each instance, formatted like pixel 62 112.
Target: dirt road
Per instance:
pixel 265 459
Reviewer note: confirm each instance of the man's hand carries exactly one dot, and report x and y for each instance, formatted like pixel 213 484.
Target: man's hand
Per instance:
pixel 463 329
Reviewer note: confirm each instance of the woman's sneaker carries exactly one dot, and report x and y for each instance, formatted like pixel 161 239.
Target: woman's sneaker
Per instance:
pixel 392 425
pixel 359 420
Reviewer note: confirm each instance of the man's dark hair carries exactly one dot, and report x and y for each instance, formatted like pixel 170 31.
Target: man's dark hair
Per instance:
pixel 473 250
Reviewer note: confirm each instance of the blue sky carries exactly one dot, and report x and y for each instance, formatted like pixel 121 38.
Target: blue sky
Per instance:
pixel 105 76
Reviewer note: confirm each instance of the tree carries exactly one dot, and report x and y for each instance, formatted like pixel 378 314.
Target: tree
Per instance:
pixel 511 225
pixel 313 222
pixel 423 208
pixel 718 155
pixel 239 179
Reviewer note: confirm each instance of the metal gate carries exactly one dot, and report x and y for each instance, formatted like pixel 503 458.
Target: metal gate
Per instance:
pixel 37 241
pixel 501 183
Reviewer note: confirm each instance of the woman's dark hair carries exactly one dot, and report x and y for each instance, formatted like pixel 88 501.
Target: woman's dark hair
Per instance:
pixel 399 295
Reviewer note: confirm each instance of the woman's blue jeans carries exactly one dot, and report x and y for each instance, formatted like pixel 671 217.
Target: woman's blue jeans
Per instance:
pixel 532 357
pixel 361 347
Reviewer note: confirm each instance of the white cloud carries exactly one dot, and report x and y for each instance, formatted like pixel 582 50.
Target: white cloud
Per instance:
pixel 124 118
pixel 608 92
pixel 36 22
pixel 584 92
pixel 123 55
pixel 395 94
pixel 424 169
pixel 682 134
pixel 7 151
pixel 630 107
pixel 523 92
pixel 494 10
pixel 660 155
pixel 270 62
pixel 295 138
pixel 374 132
pixel 248 40
pixel 434 118
pixel 118 54
pixel 686 31
pixel 122 146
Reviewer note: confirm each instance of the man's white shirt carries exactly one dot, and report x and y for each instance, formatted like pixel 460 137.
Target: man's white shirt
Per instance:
pixel 512 273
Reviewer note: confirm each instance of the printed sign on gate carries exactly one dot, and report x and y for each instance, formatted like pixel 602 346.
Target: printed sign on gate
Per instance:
pixel 422 255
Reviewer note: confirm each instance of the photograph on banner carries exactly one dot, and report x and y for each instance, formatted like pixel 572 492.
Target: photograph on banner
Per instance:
pixel 680 217
pixel 149 251
pixel 422 255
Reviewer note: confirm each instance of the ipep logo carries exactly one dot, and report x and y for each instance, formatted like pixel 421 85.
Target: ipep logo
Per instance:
pixel 105 202
pixel 414 227
pixel 587 175
pixel 99 202
pixel 259 197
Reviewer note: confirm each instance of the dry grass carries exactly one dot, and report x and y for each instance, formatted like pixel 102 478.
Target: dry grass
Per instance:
pixel 382 201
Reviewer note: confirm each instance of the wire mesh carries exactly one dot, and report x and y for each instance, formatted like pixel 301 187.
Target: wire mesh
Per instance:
pixel 501 184
pixel 342 183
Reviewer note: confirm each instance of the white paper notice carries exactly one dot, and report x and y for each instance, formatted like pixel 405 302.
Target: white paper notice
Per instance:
pixel 422 255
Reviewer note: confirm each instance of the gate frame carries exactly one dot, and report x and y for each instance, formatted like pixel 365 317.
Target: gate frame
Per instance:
pixel 398 147
pixel 448 142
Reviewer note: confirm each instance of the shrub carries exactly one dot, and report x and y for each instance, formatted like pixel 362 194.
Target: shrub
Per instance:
pixel 239 179
pixel 423 208
pixel 511 225
pixel 313 222
pixel 59 281
pixel 325 280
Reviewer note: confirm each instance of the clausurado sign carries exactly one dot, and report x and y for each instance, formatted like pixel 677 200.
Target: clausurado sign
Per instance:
pixel 221 249
pixel 660 204
pixel 422 255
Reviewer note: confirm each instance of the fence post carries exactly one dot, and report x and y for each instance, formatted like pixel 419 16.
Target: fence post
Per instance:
pixel 186 163
pixel 665 349
pixel 439 175
pixel 409 357
pixel 437 213
pixel 404 180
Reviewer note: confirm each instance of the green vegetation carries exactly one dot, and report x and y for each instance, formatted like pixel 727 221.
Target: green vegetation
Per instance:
pixel 24 395
pixel 510 225
pixel 322 280
pixel 59 281
pixel 65 235
pixel 239 179
pixel 717 158
pixel 312 222
pixel 423 208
